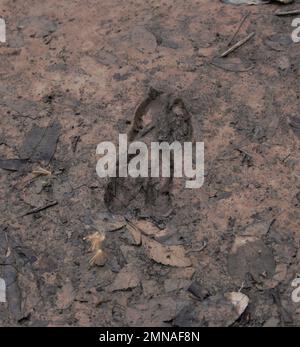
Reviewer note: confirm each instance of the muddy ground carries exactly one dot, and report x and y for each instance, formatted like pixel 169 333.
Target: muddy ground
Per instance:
pixel 72 74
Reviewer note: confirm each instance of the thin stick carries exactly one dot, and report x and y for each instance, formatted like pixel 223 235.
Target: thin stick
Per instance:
pixel 237 45
pixel 239 28
pixel 287 13
pixel 38 209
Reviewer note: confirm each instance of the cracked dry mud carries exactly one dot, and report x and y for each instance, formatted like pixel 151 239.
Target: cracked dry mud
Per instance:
pixel 76 71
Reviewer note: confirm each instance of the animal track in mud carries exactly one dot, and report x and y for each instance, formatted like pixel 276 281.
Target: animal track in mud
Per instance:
pixel 157 118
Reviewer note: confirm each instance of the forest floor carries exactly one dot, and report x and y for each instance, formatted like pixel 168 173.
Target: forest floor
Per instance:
pixel 72 74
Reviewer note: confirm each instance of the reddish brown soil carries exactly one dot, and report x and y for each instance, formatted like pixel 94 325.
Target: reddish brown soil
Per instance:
pixel 86 65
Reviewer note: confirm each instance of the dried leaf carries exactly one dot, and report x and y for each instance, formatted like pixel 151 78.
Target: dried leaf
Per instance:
pixel 127 278
pixel 146 227
pixel 232 64
pixel 176 284
pixel 166 255
pixel 249 255
pixel 294 122
pixel 65 296
pixel 154 312
pixel 257 229
pixel 143 40
pixel 110 225
pixel 135 234
pixel 278 42
pixel 96 240
pixel 239 300
pixel 99 258
pixel 142 227
pixel 12 164
pixel 215 311
pixel 40 143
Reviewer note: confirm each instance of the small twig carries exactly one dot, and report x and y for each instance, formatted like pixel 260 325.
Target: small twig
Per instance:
pixel 146 130
pixel 287 13
pixel 38 209
pixel 41 172
pixel 237 45
pixel 286 157
pixel 238 29
pixel 242 287
pixel 243 151
pixel 271 224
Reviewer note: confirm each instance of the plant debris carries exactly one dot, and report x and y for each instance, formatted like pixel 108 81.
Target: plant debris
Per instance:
pixel 294 122
pixel 237 45
pixel 232 64
pixel 39 209
pixel 197 290
pixel 239 300
pixel 96 240
pixel 166 247
pixel 40 143
pixel 249 255
pixel 110 225
pixel 99 258
pixel 215 311
pixel 144 227
pixel 166 255
pixel 287 13
pixel 238 28
pixel 278 42
pixel 13 164
pixel 127 278
pixel 41 172
pixel 135 234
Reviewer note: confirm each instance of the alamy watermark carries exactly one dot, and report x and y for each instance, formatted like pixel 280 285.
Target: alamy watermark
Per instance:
pixel 2 30
pixel 160 160
pixel 296 291
pixel 296 32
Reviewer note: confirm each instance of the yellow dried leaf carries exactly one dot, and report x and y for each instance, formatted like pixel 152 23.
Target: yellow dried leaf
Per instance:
pixel 99 258
pixel 96 240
